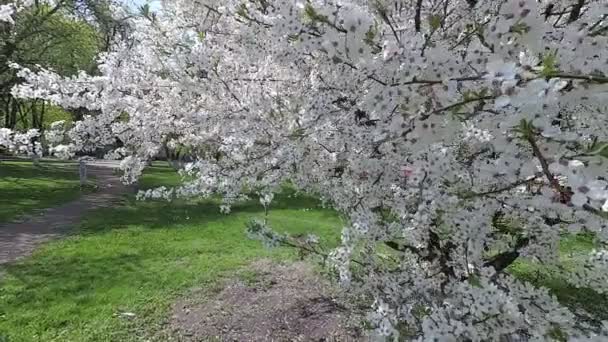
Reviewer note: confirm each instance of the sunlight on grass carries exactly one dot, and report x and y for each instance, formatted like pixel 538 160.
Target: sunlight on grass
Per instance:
pixel 573 248
pixel 138 258
pixel 25 188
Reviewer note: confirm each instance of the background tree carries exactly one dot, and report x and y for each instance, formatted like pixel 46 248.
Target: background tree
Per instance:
pixel 64 36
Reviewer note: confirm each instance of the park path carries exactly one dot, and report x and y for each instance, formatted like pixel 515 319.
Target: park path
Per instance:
pixel 20 239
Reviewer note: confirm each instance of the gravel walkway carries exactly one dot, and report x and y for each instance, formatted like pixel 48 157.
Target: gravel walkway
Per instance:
pixel 20 239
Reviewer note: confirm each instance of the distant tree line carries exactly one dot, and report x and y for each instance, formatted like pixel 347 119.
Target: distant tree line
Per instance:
pixel 65 36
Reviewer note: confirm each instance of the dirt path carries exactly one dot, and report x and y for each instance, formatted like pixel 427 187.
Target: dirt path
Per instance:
pixel 289 302
pixel 20 239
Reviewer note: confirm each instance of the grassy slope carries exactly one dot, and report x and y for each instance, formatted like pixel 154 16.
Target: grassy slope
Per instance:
pixel 137 258
pixel 25 188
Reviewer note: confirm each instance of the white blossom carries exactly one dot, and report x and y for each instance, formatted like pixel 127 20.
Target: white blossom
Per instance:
pixel 6 12
pixel 421 131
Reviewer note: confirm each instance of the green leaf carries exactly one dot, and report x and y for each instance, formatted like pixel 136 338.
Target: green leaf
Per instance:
pixel 557 334
pixel 420 310
pixel 524 128
pixel 434 21
pixel 520 28
pixel 475 281
pixel 242 11
pixel 311 14
pixel 483 92
pixel 387 215
pixel 298 133
pixel 370 35
pixel 469 95
pixel 549 64
pixel 598 148
pixel 505 225
pixel 145 10
pixel 444 233
pixel 293 38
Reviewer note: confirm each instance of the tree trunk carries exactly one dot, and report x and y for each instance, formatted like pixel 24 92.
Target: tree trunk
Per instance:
pixel 41 116
pixel 12 115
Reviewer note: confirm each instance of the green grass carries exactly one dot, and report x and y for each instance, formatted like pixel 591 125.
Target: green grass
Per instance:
pixel 159 174
pixel 138 258
pixel 25 187
pixel 573 249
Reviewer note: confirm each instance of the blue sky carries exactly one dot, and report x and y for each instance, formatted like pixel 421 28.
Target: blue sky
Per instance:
pixel 154 4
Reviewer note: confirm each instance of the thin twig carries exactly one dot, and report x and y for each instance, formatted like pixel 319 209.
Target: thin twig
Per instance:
pixel 502 189
pixel 590 78
pixel 464 102
pixel 545 167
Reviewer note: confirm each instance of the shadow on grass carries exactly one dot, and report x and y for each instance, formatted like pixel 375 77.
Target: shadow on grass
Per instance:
pixel 79 278
pixel 48 295
pixel 593 304
pixel 136 258
pixel 26 170
pixel 25 187
pixel 155 214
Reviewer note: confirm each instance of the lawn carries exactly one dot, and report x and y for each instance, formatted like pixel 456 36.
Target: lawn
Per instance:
pixel 25 188
pixel 116 279
pixel 137 258
pixel 573 249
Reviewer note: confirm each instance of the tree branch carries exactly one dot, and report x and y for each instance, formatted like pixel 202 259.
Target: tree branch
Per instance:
pixel 400 247
pixel 464 102
pixel 501 189
pixel 590 78
pixel 575 12
pixel 564 198
pixel 417 23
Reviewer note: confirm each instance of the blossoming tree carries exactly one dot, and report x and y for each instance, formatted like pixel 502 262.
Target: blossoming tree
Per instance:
pixel 21 143
pixel 455 136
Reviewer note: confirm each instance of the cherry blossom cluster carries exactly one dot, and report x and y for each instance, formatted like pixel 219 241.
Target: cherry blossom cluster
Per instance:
pixel 8 10
pixel 25 143
pixel 30 142
pixel 456 137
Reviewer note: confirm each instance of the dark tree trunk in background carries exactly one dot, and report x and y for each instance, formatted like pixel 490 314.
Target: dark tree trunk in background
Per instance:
pixel 11 120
